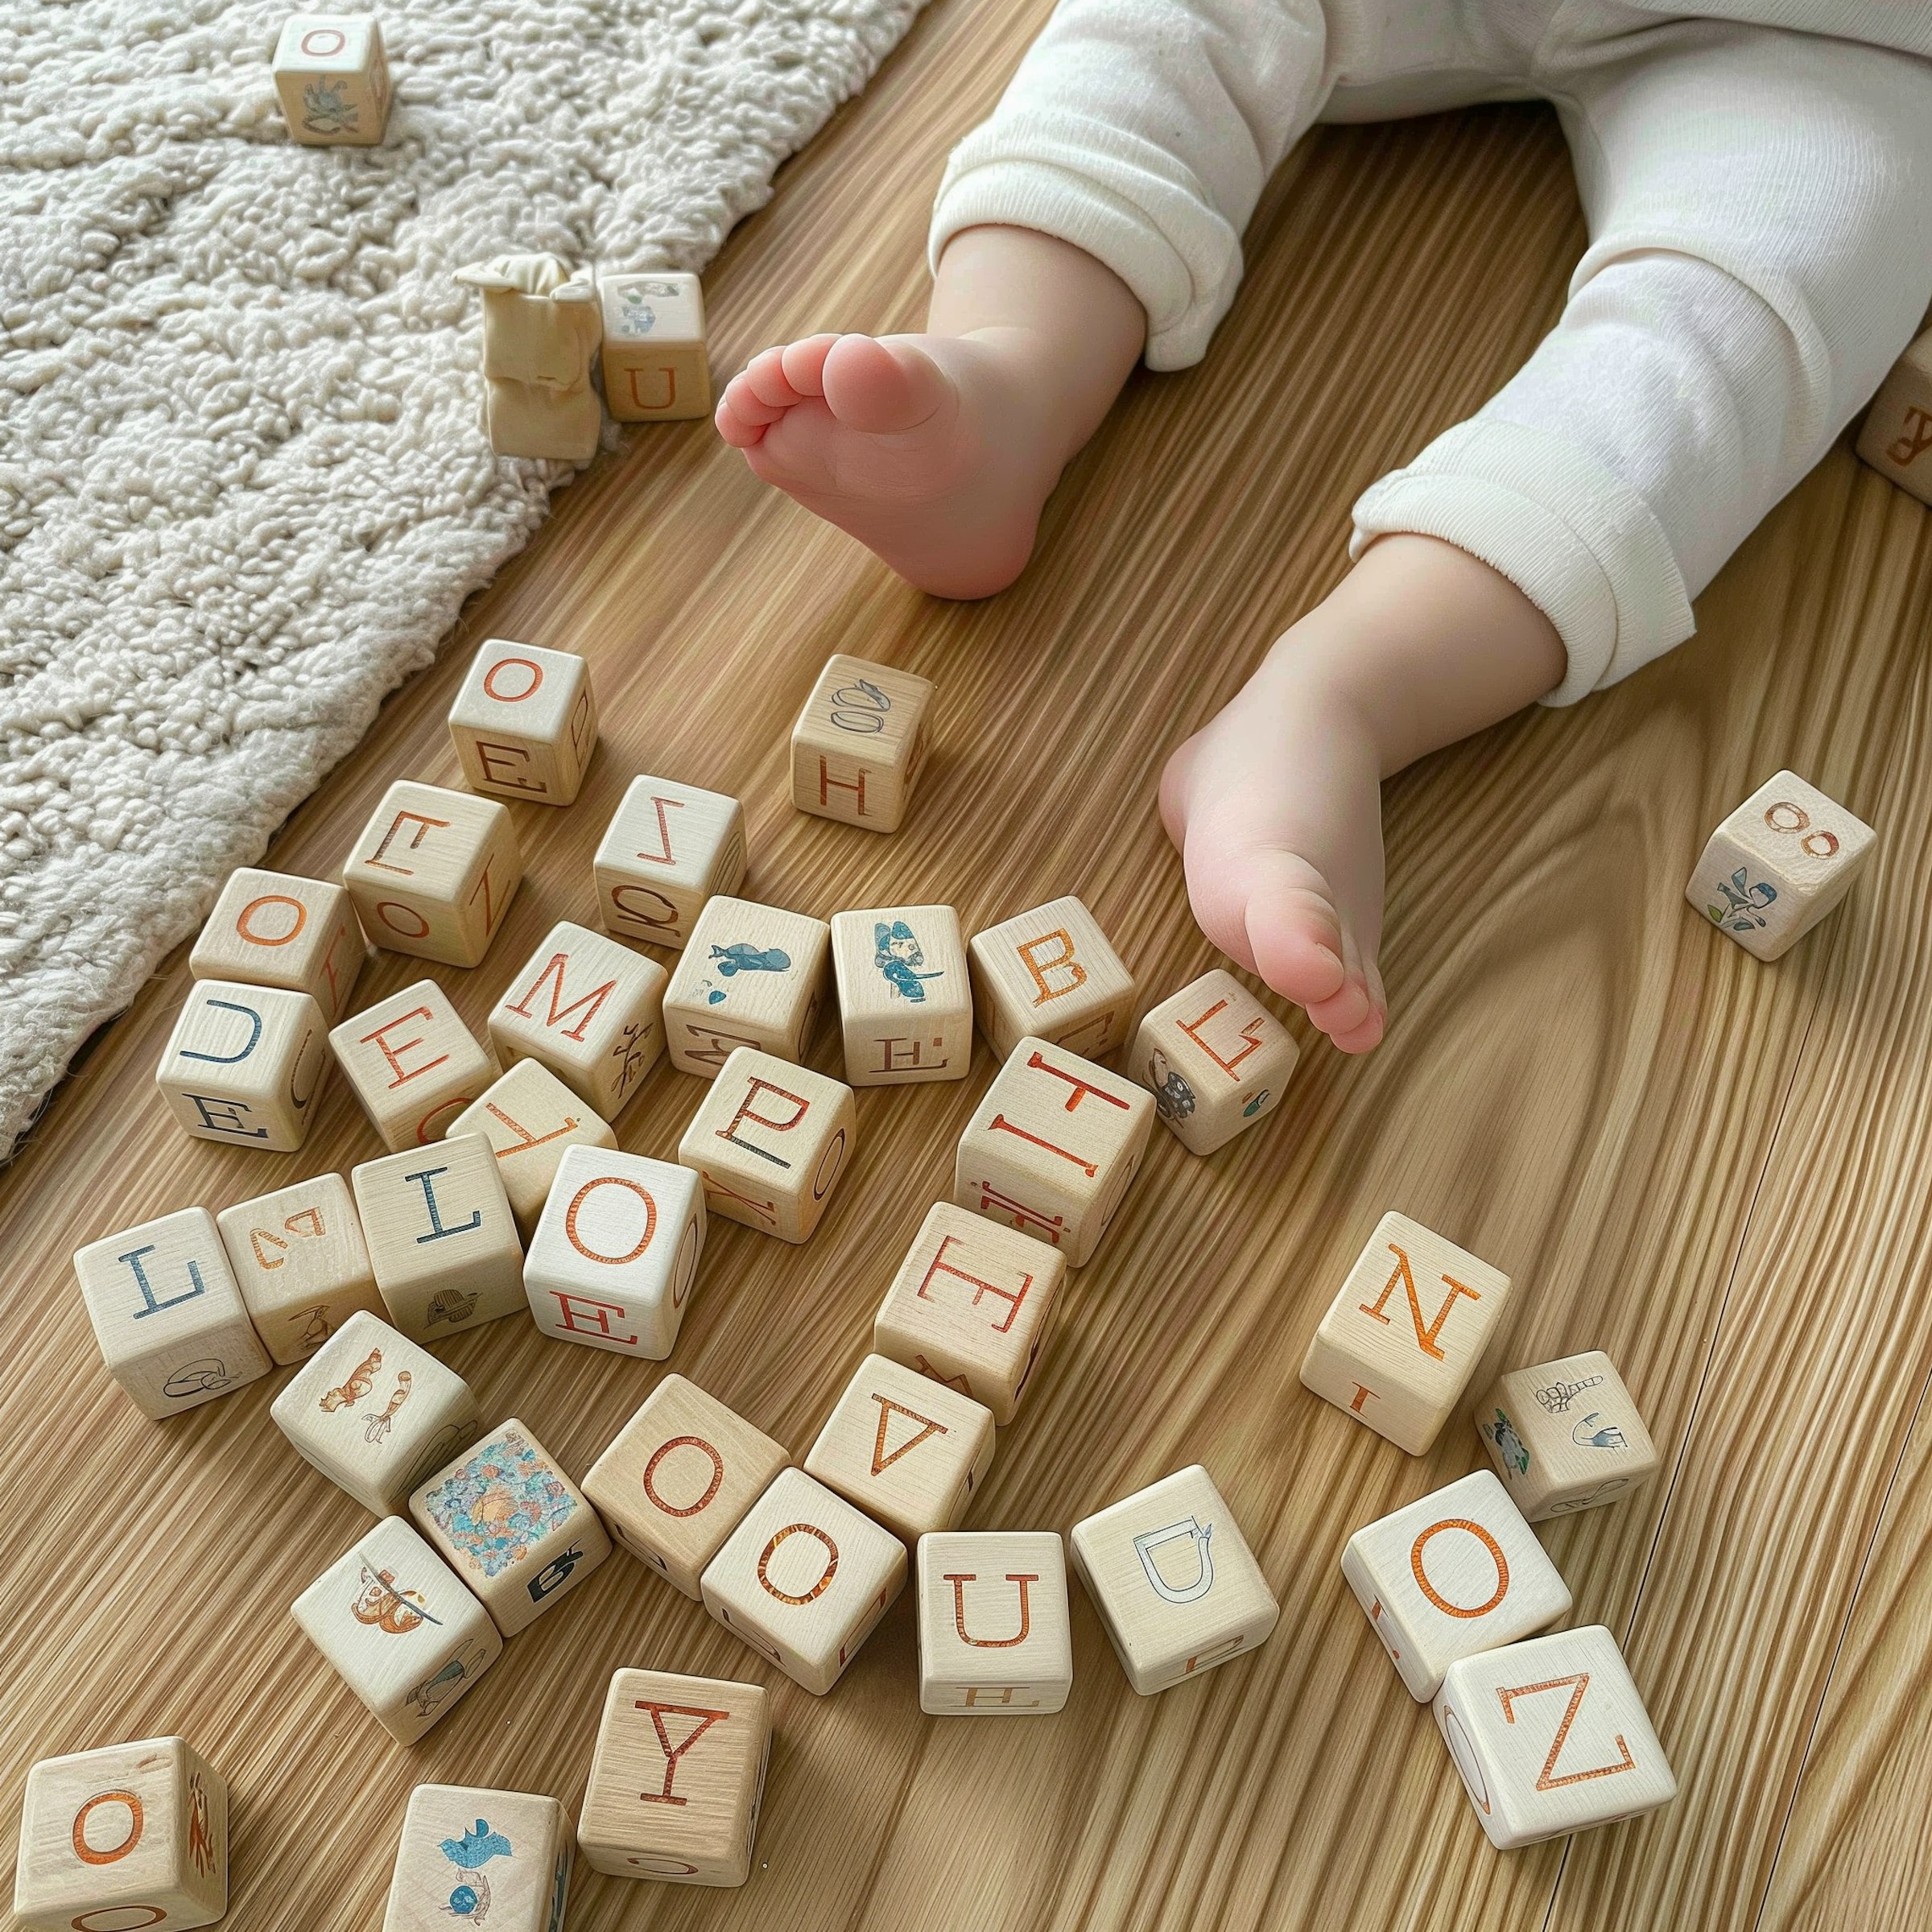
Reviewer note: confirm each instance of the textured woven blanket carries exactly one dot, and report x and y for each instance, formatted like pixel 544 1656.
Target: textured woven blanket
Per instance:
pixel 242 489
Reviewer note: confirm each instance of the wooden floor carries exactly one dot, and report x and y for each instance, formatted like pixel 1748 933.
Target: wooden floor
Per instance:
pixel 1716 1170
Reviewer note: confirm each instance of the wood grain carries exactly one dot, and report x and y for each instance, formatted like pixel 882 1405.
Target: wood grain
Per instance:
pixel 1712 1169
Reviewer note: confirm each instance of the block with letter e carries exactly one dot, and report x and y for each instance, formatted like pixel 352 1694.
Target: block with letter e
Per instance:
pixel 244 1064
pixel 525 722
pixel 434 872
pixel 905 996
pixel 995 1638
pixel 1216 1060
pixel 668 848
pixel 274 929
pixel 858 744
pixel 412 1064
pixel 1051 974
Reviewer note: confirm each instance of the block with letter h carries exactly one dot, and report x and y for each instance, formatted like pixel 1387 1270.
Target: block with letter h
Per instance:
pixel 995 1638
pixel 752 975
pixel 434 872
pixel 301 1263
pixel 858 744
pixel 1216 1060
pixel 244 1064
pixel 525 722
pixel 273 929
pixel 413 1065
pixel 905 996
pixel 1050 974
pixel 532 1120
pixel 667 850
pixel 499 1858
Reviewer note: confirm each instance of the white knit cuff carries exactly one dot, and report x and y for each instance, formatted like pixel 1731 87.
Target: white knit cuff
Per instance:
pixel 1582 545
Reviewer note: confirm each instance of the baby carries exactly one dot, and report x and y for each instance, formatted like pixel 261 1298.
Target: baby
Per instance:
pixel 1757 176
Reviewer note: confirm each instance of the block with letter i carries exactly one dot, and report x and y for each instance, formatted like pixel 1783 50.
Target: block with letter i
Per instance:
pixel 525 722
pixel 332 76
pixel 1215 1058
pixel 1177 1587
pixel 413 1064
pixel 499 1858
pixel 905 998
pixel 655 365
pixel 995 1638
pixel 858 743
pixel 434 872
pixel 1550 1736
pixel 532 1120
pixel 676 1779
pixel 1897 439
pixel 1400 1342
pixel 1566 1435
pixel 1050 974
pixel 244 1064
pixel 173 1329
pixel 1778 863
pixel 130 1834
pixel 272 928
pixel 668 848
pixel 751 975
pixel 300 1262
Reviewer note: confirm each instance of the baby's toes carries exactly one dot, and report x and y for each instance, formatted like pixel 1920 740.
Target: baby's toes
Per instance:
pixel 1296 935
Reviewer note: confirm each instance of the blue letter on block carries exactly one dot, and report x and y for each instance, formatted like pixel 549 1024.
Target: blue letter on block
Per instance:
pixel 154 1305
pixel 437 1231
pixel 229 1120
pixel 229 1060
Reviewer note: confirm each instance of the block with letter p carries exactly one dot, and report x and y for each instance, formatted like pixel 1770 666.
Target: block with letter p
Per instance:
pixel 525 722
pixel 244 1064
pixel 1215 1058
pixel 995 1638
pixel 413 1064
pixel 1051 975
pixel 434 872
pixel 668 848
pixel 858 744
pixel 273 929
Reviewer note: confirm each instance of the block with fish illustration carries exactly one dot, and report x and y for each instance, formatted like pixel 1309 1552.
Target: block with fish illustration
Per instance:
pixel 434 872
pixel 655 367
pixel 274 929
pixel 244 1064
pixel 905 995
pixel 858 743
pixel 525 722
pixel 412 1064
pixel 332 76
pixel 667 850
pixel 476 1857
pixel 301 1263
pixel 1215 1058
pixel 749 975
pixel 532 1120
pixel 1566 1435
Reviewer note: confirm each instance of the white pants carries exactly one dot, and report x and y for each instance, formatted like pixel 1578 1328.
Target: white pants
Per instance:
pixel 1759 210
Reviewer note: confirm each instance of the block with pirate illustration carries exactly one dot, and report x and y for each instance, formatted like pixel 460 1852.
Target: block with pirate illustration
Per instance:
pixel 905 995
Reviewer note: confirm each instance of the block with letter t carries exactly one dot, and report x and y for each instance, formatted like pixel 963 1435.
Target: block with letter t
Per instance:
pixel 1215 1058
pixel 858 744
pixel 273 929
pixel 752 975
pixel 244 1064
pixel 668 848
pixel 412 1064
pixel 525 722
pixel 1051 974
pixel 995 1638
pixel 434 872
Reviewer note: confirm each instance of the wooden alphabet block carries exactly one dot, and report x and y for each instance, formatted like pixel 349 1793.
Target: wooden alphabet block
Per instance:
pixel 1051 975
pixel 969 1307
pixel 804 1579
pixel 668 848
pixel 511 1525
pixel 908 1450
pixel 274 929
pixel 1400 1342
pixel 441 1237
pixel 751 975
pixel 377 1414
pixel 1215 1058
pixel 676 1779
pixel 413 1064
pixel 130 1834
pixel 525 722
pixel 1550 1736
pixel 679 1478
pixel 616 1253
pixel 332 76
pixel 398 1627
pixel 771 1140
pixel 1780 862
pixel 995 1638
pixel 1566 1435
pixel 1176 1586
pixel 301 1263
pixel 858 743
pixel 172 1327
pixel 905 998
pixel 1052 1147
pixel 434 872
pixel 590 1009
pixel 1457 1572
pixel 541 327
pixel 476 1856
pixel 244 1064
pixel 655 369
pixel 1897 439
pixel 532 1120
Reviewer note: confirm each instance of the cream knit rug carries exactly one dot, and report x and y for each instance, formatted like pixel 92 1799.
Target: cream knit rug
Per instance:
pixel 242 491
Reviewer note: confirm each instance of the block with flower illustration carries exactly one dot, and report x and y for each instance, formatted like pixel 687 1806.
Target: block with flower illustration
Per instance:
pixel 496 1858
pixel 333 76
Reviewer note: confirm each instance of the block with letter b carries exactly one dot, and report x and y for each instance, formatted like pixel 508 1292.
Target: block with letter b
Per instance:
pixel 499 1858
pixel 1897 439
pixel 995 1638
pixel 1400 1342
pixel 655 366
pixel 676 1779
pixel 1215 1058
pixel 1550 1736
pixel 434 872
pixel 1051 975
pixel 751 975
pixel 244 1064
pixel 1458 1572
pixel 129 1834
pixel 858 743
pixel 525 722
pixel 332 76
pixel 273 929
pixel 300 1262
pixel 413 1064
pixel 532 1120
pixel 668 848
pixel 1566 1435
pixel 905 998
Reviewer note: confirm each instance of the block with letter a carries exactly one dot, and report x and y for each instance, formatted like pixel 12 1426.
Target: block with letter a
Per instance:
pixel 995 1638
pixel 655 366
pixel 532 1120
pixel 301 1263
pixel 1215 1058
pixel 905 996
pixel 1458 1572
pixel 1566 1435
pixel 499 1858
pixel 244 1064
pixel 127 1836
pixel 273 929
pixel 858 743
pixel 676 1779
pixel 1897 439
pixel 525 722
pixel 1176 1586
pixel 434 872
pixel 333 77
pixel 413 1064
pixel 1550 1736
pixel 173 1329
pixel 1052 1146
pixel 1051 975
pixel 1401 1341
pixel 752 975
pixel 668 848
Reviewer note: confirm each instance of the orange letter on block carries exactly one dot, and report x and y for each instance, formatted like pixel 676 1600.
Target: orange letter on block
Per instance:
pixel 1061 962
pixel 1425 1333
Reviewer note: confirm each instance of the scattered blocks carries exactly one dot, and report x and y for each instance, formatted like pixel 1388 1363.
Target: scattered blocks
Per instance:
pixel 655 369
pixel 541 328
pixel 333 76
pixel 771 1140
pixel 1780 862
pixel 969 1307
pixel 1051 975
pixel 243 1064
pixel 1052 1146
pixel 434 872
pixel 1566 1435
pixel 473 1856
pixel 679 1478
pixel 1176 1586
pixel 300 1261
pixel 130 1835
pixel 377 1414
pixel 905 998
pixel 273 929
pixel 441 1236
pixel 1400 1342
pixel 995 1638
pixel 413 1065
pixel 1550 1736
pixel 525 722
pixel 750 977
pixel 512 1524
pixel 858 744
pixel 1215 1058
pixel 676 1779
pixel 804 1579
pixel 398 1628
pixel 532 1120
pixel 1897 439
pixel 171 1321
pixel 614 1256
pixel 668 848
pixel 1455 1573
